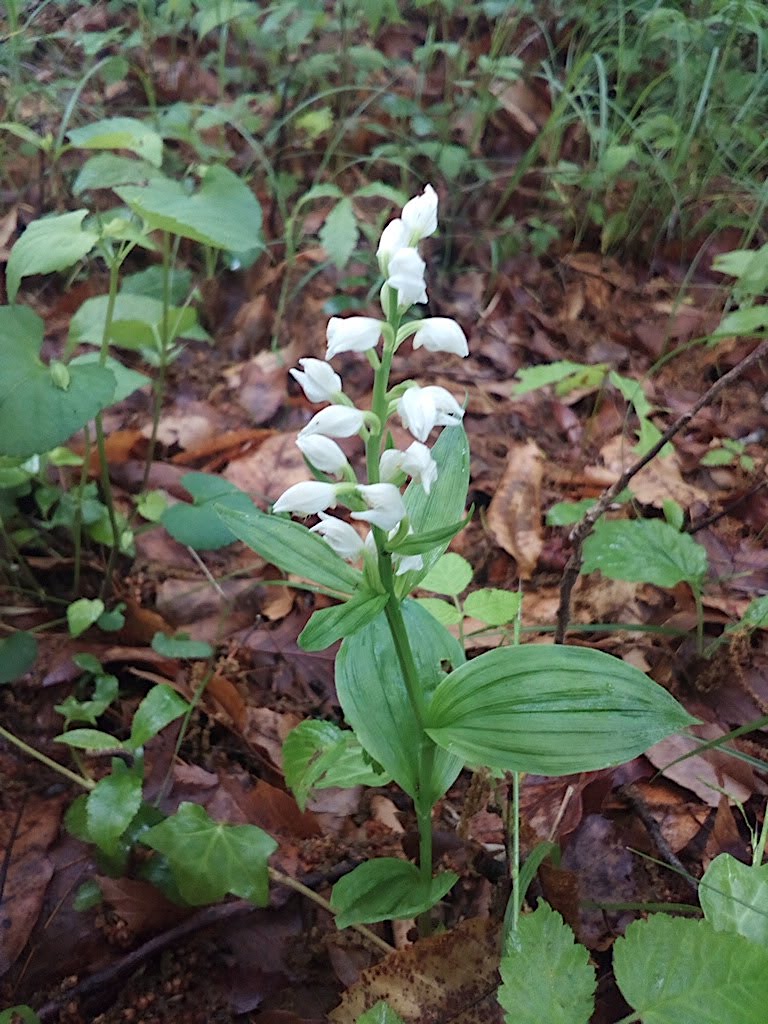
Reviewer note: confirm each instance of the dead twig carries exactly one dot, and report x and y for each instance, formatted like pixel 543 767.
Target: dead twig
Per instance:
pixel 583 529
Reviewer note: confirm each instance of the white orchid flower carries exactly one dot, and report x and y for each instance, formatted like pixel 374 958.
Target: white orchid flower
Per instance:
pixel 441 334
pixel 352 334
pixel 385 505
pixel 307 498
pixel 343 538
pixel 422 409
pixel 420 215
pixel 318 381
pixel 406 277
pixel 335 421
pixel 416 461
pixel 393 238
pixel 323 453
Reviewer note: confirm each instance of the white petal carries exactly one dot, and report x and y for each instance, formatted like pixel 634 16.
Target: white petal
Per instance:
pixel 335 421
pixel 449 412
pixel 351 334
pixel 441 334
pixel 319 382
pixel 307 498
pixel 406 276
pixel 323 453
pixel 390 464
pixel 393 237
pixel 385 503
pixel 408 563
pixel 418 463
pixel 417 412
pixel 420 215
pixel 343 538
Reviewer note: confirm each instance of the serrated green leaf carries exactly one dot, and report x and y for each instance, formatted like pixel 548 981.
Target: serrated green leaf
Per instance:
pixel 48 244
pixel 199 525
pixel 446 614
pixel 734 898
pixel 180 646
pixel 17 655
pixel 450 575
pixel 160 707
pixel 108 170
pixel 89 739
pixel 672 970
pixel 339 233
pixel 25 383
pixel 209 860
pixel 120 133
pixel 368 676
pixel 223 213
pixel 493 606
pixel 385 889
pixel 292 548
pixel 546 975
pixel 550 710
pixel 331 624
pixel 82 614
pixel 112 804
pixel 644 550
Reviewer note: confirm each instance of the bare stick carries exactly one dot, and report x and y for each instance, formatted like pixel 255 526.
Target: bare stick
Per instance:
pixel 583 529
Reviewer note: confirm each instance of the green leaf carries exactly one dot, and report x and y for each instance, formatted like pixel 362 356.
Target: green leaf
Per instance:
pixel 547 975
pixel 90 739
pixel 108 169
pixel 291 547
pixel 419 543
pixel 493 606
pixel 137 322
pixel 223 213
pixel 180 646
pixel 331 624
pixel 199 525
pixel 209 860
pixel 120 133
pixel 368 677
pixel 126 380
pixel 318 755
pixel 755 617
pixel 734 898
pixel 550 710
pixel 644 550
pixel 567 513
pixel 743 321
pixel 160 707
pixel 82 614
pixel 385 889
pixel 339 233
pixel 672 970
pixel 87 896
pixel 25 384
pixel 17 655
pixel 380 1013
pixel 450 575
pixel 48 244
pixel 26 1013
pixel 112 805
pixel 569 376
pixel 446 614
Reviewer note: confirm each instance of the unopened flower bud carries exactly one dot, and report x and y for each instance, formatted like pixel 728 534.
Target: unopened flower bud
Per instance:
pixel 352 334
pixel 307 498
pixel 420 215
pixel 323 453
pixel 318 380
pixel 441 334
pixel 343 538
pixel 385 505
pixel 406 277
pixel 335 421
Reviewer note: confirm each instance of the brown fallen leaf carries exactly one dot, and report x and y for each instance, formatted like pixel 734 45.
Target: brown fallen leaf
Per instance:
pixel 659 480
pixel 514 515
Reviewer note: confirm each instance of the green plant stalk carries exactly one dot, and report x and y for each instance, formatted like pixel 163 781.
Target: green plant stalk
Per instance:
pixel 48 761
pixel 16 556
pixel 158 385
pixel 515 851
pixel 77 528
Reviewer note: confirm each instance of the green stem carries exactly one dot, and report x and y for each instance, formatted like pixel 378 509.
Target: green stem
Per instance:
pixel 515 850
pixel 38 756
pixel 106 484
pixel 158 386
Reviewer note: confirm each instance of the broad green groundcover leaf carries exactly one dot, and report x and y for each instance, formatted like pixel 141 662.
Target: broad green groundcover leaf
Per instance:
pixel 36 413
pixel 223 213
pixel 180 646
pixel 48 244
pixel 673 970
pixel 108 169
pixel 160 707
pixel 291 547
pixel 374 698
pixel 126 380
pixel 111 806
pixel 209 860
pixel 547 976
pixel 120 133
pixel 734 898
pixel 385 889
pixel 449 575
pixel 550 710
pixel 198 525
pixel 492 606
pixel 644 551
pixel 339 233
pixel 136 322
pixel 82 614
pixel 17 655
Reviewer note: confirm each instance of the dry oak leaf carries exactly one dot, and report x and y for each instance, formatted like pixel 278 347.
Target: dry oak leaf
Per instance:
pixel 514 515
pixel 655 483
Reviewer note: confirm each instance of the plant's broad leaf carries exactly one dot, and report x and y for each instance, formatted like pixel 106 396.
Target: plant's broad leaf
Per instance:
pixel 61 407
pixel 418 543
pixel 644 550
pixel 368 677
pixel 137 322
pixel 14 1013
pixel 385 889
pixel 318 755
pixel 209 860
pixel 339 233
pixel 673 970
pixel 120 133
pixel 743 321
pixel 447 614
pixel 160 707
pixel 90 739
pixel 223 213
pixel 755 617
pixel 180 646
pixel 108 169
pixel 443 506
pixel 82 614
pixel 492 606
pixel 126 380
pixel 450 575
pixel 17 655
pixel 52 243
pixel 112 804
pixel 331 624
pixel 546 975
pixel 381 1013
pixel 567 375
pixel 292 548
pixel 199 525
pixel 734 898
pixel 550 710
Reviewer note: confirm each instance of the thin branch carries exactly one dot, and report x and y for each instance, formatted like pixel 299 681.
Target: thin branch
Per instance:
pixel 583 529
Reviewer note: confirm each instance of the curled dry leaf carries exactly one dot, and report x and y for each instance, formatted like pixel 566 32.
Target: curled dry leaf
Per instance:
pixel 657 482
pixel 514 515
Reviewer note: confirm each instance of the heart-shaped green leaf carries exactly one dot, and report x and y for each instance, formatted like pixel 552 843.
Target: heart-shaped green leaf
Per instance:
pixel 112 804
pixel 17 655
pixel 644 550
pixel 52 243
pixel 120 133
pixel 160 707
pixel 734 898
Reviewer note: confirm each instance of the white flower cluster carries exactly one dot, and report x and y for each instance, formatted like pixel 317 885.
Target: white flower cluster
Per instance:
pixel 420 408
